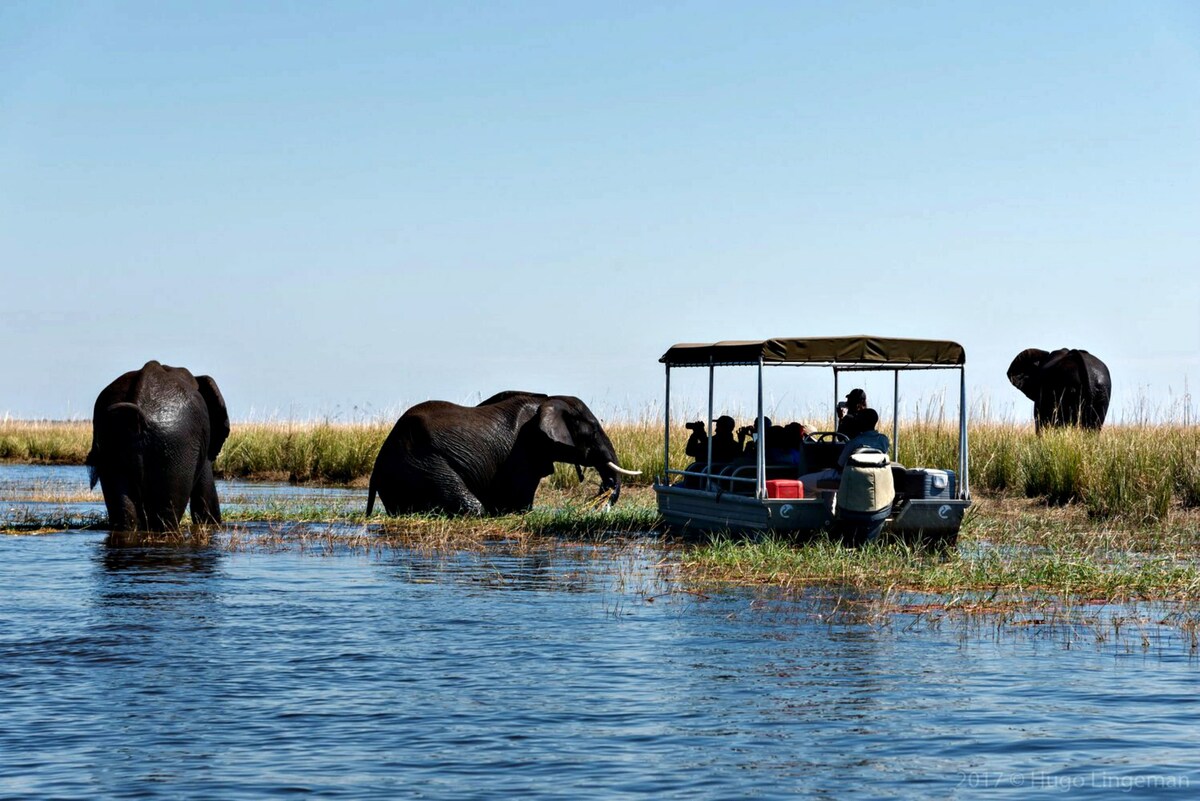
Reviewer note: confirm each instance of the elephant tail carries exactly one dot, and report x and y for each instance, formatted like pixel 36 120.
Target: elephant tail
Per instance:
pixel 371 495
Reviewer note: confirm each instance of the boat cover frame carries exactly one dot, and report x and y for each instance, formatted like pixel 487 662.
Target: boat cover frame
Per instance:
pixel 877 351
pixel 849 353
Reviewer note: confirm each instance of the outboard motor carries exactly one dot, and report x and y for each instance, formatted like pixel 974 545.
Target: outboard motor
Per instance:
pixel 865 496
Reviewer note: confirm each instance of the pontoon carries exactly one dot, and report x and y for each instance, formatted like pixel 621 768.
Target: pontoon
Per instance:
pixel 928 503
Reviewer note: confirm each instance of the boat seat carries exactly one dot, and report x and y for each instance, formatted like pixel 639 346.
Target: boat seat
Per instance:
pixel 735 470
pixel 821 455
pixel 694 482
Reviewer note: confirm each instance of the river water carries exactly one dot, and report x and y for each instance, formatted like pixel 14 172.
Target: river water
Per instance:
pixel 202 670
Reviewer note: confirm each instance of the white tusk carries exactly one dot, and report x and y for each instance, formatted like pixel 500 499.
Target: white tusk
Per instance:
pixel 623 471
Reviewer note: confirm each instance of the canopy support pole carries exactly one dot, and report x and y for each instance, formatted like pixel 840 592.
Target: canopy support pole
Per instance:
pixel 836 396
pixel 708 424
pixel 667 430
pixel 895 415
pixel 760 453
pixel 964 467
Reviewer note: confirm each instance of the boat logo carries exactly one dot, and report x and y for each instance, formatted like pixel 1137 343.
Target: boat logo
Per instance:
pixel 944 511
pixel 785 510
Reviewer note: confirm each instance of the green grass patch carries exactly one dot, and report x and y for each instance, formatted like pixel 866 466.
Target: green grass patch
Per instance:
pixel 980 573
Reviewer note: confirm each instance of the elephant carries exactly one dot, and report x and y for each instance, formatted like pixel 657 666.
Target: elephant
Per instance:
pixel 155 434
pixel 1068 387
pixel 488 459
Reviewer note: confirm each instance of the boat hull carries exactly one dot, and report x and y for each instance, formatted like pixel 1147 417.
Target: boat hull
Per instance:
pixel 934 522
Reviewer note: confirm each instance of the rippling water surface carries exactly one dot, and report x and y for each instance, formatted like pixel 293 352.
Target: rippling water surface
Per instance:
pixel 203 671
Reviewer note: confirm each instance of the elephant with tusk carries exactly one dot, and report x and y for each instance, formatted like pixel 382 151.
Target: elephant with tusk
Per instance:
pixel 488 459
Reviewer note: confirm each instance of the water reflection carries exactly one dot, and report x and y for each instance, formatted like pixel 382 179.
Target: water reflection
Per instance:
pixel 156 622
pixel 541 571
pixel 148 556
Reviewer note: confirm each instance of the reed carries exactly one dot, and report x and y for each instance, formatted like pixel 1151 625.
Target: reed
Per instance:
pixel 45 441
pixel 302 452
pixel 1011 576
pixel 1144 472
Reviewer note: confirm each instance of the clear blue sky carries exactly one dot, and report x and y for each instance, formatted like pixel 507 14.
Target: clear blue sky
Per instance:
pixel 340 206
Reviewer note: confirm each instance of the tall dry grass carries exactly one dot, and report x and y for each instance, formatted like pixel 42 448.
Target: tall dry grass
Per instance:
pixel 45 441
pixel 1137 472
pixel 324 452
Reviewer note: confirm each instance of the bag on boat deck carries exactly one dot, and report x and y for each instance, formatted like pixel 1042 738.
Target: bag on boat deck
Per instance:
pixel 867 484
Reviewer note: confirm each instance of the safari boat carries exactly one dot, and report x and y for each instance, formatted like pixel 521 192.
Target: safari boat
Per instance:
pixel 917 504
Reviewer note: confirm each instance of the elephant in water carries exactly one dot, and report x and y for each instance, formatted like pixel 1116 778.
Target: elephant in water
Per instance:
pixel 1068 387
pixel 155 434
pixel 488 459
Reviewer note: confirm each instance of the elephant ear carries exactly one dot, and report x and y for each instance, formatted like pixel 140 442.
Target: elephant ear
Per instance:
pixel 1024 369
pixel 552 422
pixel 218 417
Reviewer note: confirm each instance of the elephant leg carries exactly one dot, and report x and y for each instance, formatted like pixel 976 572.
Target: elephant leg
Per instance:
pixel 432 489
pixel 453 496
pixel 206 508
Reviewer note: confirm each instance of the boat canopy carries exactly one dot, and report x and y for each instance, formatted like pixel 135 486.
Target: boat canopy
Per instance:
pixel 879 351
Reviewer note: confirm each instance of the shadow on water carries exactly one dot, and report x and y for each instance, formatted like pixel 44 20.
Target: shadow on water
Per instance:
pixel 151 555
pixel 174 574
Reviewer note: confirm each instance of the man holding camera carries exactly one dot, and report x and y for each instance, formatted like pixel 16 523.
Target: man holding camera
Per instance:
pixel 848 412
pixel 750 448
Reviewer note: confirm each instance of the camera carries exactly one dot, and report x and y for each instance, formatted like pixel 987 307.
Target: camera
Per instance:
pixel 843 405
pixel 744 430
pixel 697 426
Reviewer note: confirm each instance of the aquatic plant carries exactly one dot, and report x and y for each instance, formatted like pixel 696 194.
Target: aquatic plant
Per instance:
pixel 1141 471
pixel 989 573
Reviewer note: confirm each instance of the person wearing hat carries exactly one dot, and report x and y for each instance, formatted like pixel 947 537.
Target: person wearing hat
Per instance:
pixel 724 447
pixel 848 422
pixel 866 437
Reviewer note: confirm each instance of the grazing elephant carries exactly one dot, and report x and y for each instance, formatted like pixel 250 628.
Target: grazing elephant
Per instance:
pixel 488 459
pixel 1067 387
pixel 155 434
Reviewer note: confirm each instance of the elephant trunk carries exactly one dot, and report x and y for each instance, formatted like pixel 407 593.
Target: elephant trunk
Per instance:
pixel 610 478
pixel 610 482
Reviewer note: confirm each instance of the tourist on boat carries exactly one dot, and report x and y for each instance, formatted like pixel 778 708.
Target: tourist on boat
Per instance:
pixel 785 444
pixel 697 444
pixel 724 447
pixel 868 437
pixel 848 412
pixel 750 448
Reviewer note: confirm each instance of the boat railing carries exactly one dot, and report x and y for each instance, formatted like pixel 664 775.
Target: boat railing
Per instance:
pixel 730 475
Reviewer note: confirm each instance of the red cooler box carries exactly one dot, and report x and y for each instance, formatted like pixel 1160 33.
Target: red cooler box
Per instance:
pixel 784 488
